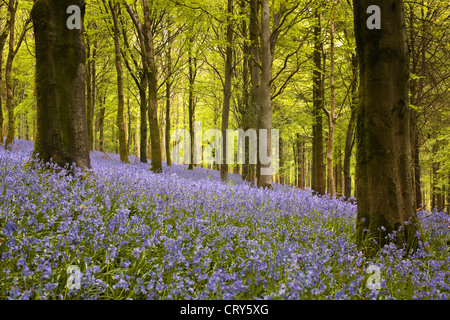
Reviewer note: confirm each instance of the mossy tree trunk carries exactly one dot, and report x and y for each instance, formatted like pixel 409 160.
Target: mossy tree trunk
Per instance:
pixel 384 169
pixel 60 86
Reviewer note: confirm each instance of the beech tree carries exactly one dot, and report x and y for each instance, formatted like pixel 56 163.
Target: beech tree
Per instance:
pixel 3 38
pixel 384 169
pixel 60 85
pixel 12 52
pixel 318 179
pixel 145 38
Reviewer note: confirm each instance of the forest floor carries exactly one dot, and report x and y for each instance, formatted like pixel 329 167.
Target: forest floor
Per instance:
pixel 123 232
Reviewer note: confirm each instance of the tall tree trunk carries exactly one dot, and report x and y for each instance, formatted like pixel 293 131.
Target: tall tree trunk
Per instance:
pixel 60 86
pixel 254 61
pixel 448 194
pixel 318 180
pixel 93 96
pixel 89 111
pixel 265 111
pixel 191 101
pixel 418 62
pixel 156 161
pixel 384 169
pixel 349 139
pixel 227 93
pixel 168 97
pixel 129 126
pixel 143 123
pixel 331 115
pixel 12 10
pixel 281 171
pixel 245 110
pixel 3 38
pixel 123 150
pixel 101 125
pixel 300 161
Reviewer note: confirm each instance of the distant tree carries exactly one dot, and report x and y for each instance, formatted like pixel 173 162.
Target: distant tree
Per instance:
pixel 60 85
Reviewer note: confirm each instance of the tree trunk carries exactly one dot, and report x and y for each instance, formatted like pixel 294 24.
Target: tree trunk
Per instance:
pixel 143 123
pixel 300 161
pixel 246 107
pixel 60 86
pixel 318 181
pixel 168 97
pixel 156 161
pixel 265 111
pixel 12 9
pixel 191 101
pixel 331 114
pixel 349 139
pixel 123 150
pixel 418 65
pixel 3 37
pixel 384 175
pixel 88 91
pixel 227 93
pixel 255 79
pixel 101 125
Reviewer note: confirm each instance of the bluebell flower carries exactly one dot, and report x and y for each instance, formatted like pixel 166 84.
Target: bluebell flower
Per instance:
pixel 9 229
pixel 122 284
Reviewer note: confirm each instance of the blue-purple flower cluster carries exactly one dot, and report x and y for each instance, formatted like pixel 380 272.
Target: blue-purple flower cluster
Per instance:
pixel 185 235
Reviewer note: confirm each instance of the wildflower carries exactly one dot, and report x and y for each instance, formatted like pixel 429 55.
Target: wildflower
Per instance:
pixel 9 229
pixel 126 263
pixel 122 284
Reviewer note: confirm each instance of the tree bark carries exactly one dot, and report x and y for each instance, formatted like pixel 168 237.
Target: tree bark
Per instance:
pixel 12 9
pixel 168 98
pixel 191 100
pixel 156 161
pixel 384 170
pixel 349 139
pixel 89 111
pixel 3 38
pixel 227 92
pixel 255 74
pixel 331 115
pixel 318 181
pixel 60 86
pixel 265 104
pixel 143 123
pixel 300 161
pixel 101 125
pixel 123 150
